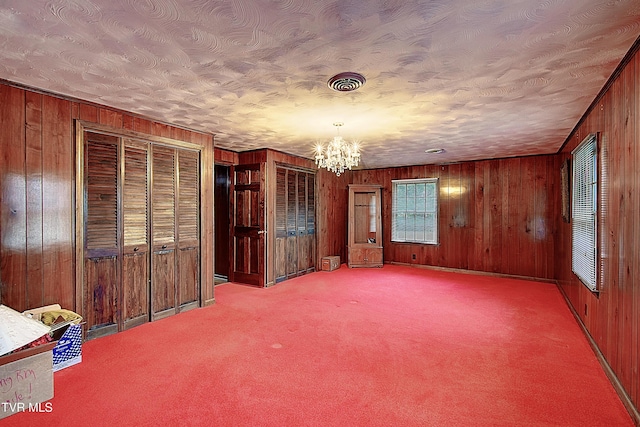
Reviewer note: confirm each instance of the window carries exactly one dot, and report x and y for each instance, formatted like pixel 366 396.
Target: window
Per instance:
pixel 415 210
pixel 584 209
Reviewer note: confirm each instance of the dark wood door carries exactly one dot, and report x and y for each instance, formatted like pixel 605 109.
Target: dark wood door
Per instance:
pixel 135 211
pixel 248 248
pixel 163 233
pixel 102 293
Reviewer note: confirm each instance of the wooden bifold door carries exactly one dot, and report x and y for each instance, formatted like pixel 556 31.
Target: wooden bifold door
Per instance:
pixel 295 238
pixel 140 223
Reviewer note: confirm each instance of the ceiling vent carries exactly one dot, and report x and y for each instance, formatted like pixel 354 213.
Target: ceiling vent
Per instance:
pixel 346 82
pixel 434 151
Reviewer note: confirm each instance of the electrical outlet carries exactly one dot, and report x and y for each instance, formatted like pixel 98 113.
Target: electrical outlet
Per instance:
pixel 413 256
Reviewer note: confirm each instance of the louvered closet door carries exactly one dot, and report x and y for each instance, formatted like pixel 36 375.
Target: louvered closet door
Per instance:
pixel 102 236
pixel 305 223
pixel 307 263
pixel 188 228
pixel 163 233
pixel 281 225
pixel 135 212
pixel 303 237
pixel 295 223
pixel 291 246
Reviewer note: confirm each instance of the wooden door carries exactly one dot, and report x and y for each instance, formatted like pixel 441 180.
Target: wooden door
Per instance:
pixel 306 223
pixel 248 248
pixel 291 245
pixel 102 293
pixel 135 211
pixel 307 263
pixel 281 234
pixel 163 233
pixel 188 229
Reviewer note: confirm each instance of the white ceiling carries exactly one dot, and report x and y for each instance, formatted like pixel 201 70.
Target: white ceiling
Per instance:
pixel 480 79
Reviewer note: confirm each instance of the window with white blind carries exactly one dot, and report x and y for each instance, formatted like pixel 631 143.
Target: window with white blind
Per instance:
pixel 584 210
pixel 415 210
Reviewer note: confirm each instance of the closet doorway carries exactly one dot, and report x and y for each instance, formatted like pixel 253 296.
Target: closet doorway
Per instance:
pixel 221 200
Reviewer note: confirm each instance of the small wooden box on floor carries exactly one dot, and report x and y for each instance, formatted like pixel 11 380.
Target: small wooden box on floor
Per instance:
pixel 330 263
pixel 26 379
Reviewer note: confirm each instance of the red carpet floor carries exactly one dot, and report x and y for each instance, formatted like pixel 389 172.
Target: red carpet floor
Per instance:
pixel 396 346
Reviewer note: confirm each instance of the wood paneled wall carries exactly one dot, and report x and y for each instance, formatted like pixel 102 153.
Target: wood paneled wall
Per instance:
pixel 225 157
pixel 37 205
pixel 495 215
pixel 612 317
pixel 332 209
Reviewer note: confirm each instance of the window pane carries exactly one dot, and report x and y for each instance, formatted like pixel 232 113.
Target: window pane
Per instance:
pixel 430 205
pixel 411 191
pixel 431 189
pixel 401 191
pixel 419 227
pixel 411 204
pixel 430 220
pixel 401 199
pixel 430 234
pixel 411 224
pixel 400 226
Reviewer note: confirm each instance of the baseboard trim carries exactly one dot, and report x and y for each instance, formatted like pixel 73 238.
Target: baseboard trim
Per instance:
pixel 475 272
pixel 611 375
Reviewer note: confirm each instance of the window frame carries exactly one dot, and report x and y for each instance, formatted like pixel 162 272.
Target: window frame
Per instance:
pixel 585 213
pixel 394 211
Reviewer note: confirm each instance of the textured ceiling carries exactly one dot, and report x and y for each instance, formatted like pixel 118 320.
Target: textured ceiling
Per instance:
pixel 480 79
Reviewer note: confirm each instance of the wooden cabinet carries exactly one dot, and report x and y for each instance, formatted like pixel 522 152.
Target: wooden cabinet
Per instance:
pixel 365 226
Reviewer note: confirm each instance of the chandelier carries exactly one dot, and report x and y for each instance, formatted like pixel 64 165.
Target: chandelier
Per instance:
pixel 339 154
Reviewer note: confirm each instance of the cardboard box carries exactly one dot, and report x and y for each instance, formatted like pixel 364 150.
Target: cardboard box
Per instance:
pixel 26 380
pixel 68 335
pixel 330 263
pixel 17 331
